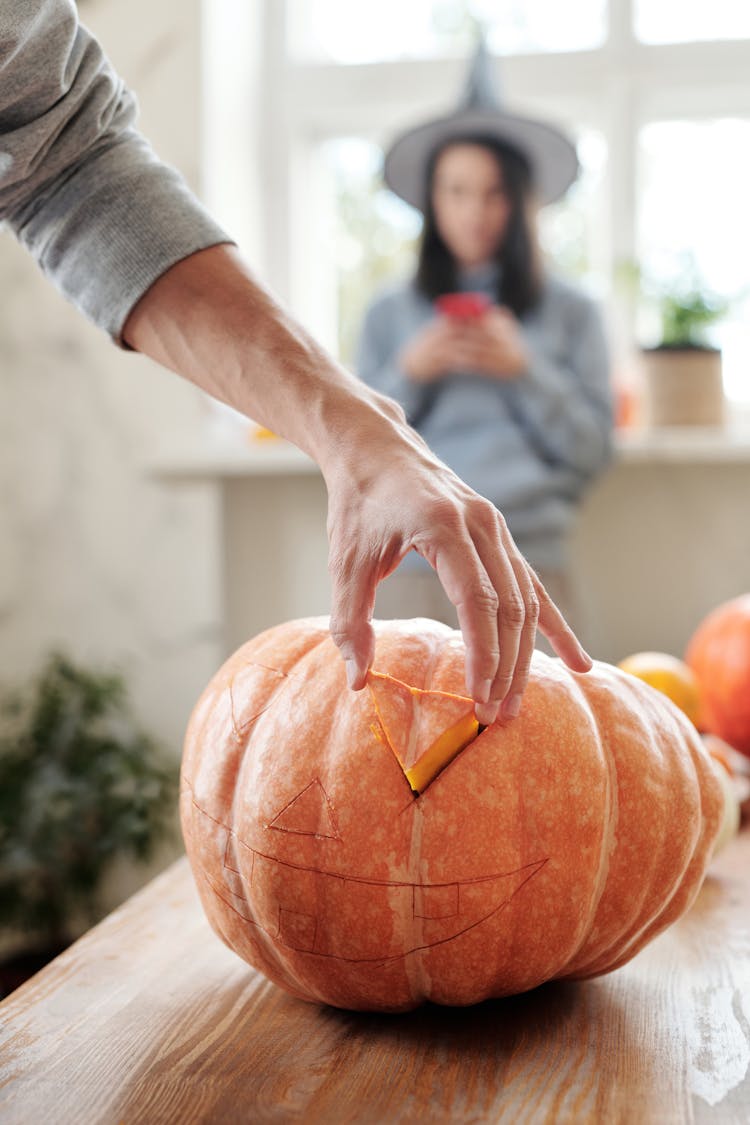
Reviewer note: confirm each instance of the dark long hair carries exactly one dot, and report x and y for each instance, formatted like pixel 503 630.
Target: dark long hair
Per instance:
pixel 520 282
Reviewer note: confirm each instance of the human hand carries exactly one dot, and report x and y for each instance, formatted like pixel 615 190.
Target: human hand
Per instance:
pixel 395 496
pixel 492 345
pixel 436 349
pixel 208 319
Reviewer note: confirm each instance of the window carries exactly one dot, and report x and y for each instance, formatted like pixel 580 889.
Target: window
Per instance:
pixel 660 110
pixel 344 32
pixel 695 177
pixel 369 235
pixel 684 21
pixel 372 233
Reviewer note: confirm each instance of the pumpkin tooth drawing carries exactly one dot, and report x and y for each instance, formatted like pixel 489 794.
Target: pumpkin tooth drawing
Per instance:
pixel 445 910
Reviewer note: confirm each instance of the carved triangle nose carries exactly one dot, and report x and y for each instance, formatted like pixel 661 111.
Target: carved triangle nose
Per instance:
pixel 425 729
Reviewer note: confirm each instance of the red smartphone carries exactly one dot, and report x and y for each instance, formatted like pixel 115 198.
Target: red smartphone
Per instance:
pixel 463 306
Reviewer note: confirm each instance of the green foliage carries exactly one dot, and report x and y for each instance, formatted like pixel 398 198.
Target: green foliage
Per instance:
pixel 79 786
pixel 686 315
pixel 685 306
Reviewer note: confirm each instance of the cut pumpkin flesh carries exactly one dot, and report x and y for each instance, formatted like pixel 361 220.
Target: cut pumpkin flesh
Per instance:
pixel 424 729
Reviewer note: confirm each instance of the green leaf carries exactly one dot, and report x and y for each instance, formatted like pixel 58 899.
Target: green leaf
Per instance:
pixel 80 785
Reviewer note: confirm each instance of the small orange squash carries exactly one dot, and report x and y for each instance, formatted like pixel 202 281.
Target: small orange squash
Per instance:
pixel 668 675
pixel 719 655
pixel 376 849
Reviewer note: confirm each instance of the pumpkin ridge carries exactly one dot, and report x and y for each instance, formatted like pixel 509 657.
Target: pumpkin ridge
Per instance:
pixel 610 817
pixel 597 964
pixel 686 887
pixel 644 926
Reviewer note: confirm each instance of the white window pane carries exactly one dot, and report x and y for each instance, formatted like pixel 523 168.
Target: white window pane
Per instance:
pixel 572 232
pixel 370 237
pixel 345 32
pixel 683 21
pixel 693 191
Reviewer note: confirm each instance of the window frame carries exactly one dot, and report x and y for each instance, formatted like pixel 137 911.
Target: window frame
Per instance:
pixel 616 88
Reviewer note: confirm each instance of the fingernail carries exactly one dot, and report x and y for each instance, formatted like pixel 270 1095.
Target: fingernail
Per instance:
pixel 512 706
pixel 351 672
pixel 487 713
pixel 483 691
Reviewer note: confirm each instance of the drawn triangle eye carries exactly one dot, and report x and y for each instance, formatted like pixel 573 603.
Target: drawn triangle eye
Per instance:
pixel 310 813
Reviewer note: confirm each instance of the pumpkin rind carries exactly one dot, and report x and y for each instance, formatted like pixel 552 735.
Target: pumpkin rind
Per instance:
pixel 719 655
pixel 554 846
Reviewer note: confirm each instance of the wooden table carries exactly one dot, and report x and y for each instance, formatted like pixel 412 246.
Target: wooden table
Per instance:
pixel 148 1018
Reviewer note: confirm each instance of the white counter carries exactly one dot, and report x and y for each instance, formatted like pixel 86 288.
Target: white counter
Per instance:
pixel 662 537
pixel 236 457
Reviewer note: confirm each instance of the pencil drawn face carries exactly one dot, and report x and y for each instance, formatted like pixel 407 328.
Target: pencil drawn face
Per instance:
pixel 319 888
pixel 316 860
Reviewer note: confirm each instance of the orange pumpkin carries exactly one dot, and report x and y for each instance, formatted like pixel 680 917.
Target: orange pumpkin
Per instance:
pixel 719 655
pixel 668 675
pixel 555 846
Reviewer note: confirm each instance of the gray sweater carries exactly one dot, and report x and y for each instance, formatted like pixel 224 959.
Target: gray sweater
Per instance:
pixel 530 445
pixel 78 185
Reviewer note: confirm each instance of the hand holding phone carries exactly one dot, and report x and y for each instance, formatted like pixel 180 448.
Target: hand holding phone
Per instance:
pixel 463 306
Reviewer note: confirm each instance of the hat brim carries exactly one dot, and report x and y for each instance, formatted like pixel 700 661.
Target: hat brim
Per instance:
pixel 552 156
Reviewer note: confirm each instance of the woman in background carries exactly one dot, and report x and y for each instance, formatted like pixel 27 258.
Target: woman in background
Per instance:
pixel 501 366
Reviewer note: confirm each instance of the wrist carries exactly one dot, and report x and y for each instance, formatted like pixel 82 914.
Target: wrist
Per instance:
pixel 357 431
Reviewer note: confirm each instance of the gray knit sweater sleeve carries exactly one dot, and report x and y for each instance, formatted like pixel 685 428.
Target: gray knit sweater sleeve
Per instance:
pixel 79 186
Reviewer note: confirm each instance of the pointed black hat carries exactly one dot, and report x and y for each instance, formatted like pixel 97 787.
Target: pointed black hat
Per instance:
pixel 480 112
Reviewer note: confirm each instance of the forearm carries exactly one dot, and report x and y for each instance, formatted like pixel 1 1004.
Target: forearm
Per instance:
pixel 209 320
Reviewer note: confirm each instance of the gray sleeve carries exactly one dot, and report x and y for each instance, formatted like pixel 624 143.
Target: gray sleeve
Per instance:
pixel 79 186
pixel 566 407
pixel 377 363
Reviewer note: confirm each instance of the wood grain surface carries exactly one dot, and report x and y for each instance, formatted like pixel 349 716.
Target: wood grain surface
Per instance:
pixel 149 1018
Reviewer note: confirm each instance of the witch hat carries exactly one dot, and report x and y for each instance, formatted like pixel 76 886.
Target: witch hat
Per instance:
pixel 481 113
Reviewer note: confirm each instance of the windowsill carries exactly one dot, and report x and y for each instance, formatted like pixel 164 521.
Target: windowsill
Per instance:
pixel 231 457
pixel 234 457
pixel 684 444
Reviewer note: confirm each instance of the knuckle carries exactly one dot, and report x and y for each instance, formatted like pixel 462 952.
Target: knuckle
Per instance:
pixel 443 509
pixel 484 598
pixel 483 510
pixel 341 628
pixel 501 685
pixel 533 609
pixel 512 610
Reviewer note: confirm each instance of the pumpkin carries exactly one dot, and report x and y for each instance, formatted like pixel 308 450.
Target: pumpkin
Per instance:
pixel 730 823
pixel 669 675
pixel 719 655
pixel 377 849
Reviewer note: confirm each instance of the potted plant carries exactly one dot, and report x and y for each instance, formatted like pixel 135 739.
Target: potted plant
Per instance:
pixel 683 378
pixel 80 785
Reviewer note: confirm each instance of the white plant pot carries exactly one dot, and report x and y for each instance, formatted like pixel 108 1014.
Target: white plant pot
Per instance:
pixel 683 387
